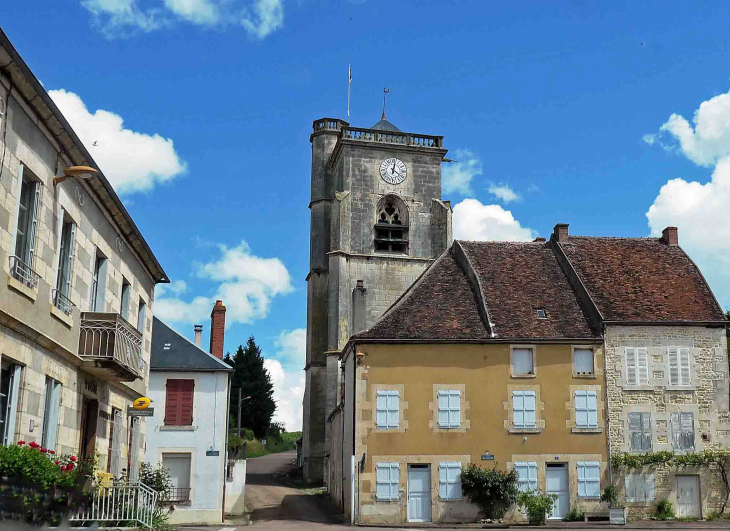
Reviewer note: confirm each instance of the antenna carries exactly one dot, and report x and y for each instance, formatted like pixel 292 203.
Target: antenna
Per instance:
pixel 385 91
pixel 349 82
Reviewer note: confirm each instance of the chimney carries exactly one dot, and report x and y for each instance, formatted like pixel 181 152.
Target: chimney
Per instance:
pixel 670 236
pixel 560 233
pixel 198 330
pixel 359 308
pixel 217 329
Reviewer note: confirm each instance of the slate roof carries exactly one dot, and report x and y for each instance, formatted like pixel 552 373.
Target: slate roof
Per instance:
pixel 641 279
pixel 385 125
pixel 173 352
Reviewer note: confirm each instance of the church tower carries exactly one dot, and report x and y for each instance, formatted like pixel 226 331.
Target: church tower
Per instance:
pixel 377 221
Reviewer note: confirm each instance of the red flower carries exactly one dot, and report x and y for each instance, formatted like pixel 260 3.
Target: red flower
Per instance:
pixel 34 445
pixel 70 466
pixel 21 443
pixel 44 450
pixel 72 458
pixel 51 452
pixel 57 462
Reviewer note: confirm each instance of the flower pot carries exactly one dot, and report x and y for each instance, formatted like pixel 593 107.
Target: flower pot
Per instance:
pixel 617 515
pixel 536 519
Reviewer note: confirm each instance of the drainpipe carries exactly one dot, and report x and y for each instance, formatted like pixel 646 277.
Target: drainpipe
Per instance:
pixel 225 450
pixel 608 409
pixel 353 353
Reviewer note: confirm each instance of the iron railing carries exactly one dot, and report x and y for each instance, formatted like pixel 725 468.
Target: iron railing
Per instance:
pixel 62 302
pixel 180 496
pixel 392 137
pixel 110 336
pixel 121 503
pixel 22 272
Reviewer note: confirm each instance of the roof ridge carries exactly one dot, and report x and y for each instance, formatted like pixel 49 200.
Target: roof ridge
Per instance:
pixel 472 276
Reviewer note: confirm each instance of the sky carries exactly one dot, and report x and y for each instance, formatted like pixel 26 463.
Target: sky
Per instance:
pixel 612 117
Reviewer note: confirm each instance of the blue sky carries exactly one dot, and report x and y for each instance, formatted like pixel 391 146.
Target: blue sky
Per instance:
pixel 613 118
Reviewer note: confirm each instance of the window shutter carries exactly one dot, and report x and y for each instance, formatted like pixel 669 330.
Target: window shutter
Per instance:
pixel 630 487
pixel 382 480
pixel 684 366
pixel 518 409
pixel 676 432
pixel 33 227
pixel 635 431
pixel 443 409
pixel 592 401
pixel 394 480
pixel 673 356
pixel 630 366
pixel 522 362
pixel 649 493
pixel 583 359
pixel 172 403
pixel 455 409
pixel 646 431
pixel 186 402
pixel 581 409
pixel 381 409
pixel 688 430
pixel 642 362
pixel 393 409
pixel 70 263
pixel 581 478
pixel 529 409
pixel 443 481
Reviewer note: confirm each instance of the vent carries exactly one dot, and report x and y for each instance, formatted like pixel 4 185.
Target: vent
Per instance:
pixel 541 314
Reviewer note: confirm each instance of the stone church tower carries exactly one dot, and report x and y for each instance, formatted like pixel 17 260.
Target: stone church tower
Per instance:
pixel 377 221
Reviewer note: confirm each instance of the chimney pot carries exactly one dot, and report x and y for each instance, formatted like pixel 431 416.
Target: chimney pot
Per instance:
pixel 670 236
pixel 560 233
pixel 198 330
pixel 217 329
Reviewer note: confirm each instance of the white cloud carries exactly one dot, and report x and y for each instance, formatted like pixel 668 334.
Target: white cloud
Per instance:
pixel 114 16
pixel 132 161
pixel 176 287
pixel 457 176
pixel 504 192
pixel 246 285
pixel 266 17
pixel 708 140
pixel 196 11
pixel 288 394
pixel 292 346
pixel 475 221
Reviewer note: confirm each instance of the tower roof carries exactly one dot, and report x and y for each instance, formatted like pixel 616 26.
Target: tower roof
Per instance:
pixel 385 125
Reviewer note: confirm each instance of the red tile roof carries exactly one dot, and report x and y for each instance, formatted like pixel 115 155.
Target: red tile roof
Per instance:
pixel 641 279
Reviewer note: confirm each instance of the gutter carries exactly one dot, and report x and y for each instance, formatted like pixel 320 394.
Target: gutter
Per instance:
pixel 713 324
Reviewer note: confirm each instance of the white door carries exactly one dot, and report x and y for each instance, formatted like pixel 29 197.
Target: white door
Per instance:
pixel 557 483
pixel 419 493
pixel 688 496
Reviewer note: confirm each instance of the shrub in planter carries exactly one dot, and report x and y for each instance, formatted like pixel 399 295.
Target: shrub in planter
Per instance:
pixel 539 506
pixel 664 510
pixel 576 514
pixel 492 490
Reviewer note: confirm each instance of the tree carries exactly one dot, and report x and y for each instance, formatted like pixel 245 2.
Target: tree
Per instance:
pixel 250 375
pixel 490 489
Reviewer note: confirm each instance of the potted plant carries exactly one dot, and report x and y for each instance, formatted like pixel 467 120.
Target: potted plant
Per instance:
pixel 538 506
pixel 616 514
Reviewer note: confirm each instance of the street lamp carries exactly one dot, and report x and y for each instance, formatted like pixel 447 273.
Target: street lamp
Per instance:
pixel 77 172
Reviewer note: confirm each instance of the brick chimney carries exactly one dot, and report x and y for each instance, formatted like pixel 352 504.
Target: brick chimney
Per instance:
pixel 217 329
pixel 670 236
pixel 560 233
pixel 198 330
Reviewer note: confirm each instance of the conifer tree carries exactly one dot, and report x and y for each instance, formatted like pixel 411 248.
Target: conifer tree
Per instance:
pixel 250 375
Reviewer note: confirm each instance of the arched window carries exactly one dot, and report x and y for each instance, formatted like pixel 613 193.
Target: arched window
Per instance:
pixel 391 225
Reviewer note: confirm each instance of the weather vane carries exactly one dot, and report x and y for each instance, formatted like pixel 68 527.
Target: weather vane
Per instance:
pixel 385 91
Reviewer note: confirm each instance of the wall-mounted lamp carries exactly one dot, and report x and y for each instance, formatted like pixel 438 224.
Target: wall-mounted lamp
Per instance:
pixel 77 172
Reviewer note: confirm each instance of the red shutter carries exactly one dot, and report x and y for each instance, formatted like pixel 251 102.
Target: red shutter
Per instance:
pixel 172 403
pixel 186 402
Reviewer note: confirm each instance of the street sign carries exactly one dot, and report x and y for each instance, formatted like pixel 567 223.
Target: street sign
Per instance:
pixel 487 457
pixel 140 412
pixel 212 453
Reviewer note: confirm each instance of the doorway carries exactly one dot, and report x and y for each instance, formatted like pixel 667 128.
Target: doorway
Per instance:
pixel 557 483
pixel 419 493
pixel 688 496
pixel 89 418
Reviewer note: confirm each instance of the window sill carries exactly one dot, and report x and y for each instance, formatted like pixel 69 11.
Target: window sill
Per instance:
pixel 589 498
pixel 587 430
pixel 22 288
pixel 178 428
pixel 586 376
pixel 680 388
pixel 449 499
pixel 523 376
pixel 382 430
pixel 646 387
pixel 525 430
pixel 65 319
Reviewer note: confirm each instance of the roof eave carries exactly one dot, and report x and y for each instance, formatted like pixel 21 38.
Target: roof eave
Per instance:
pixel 713 324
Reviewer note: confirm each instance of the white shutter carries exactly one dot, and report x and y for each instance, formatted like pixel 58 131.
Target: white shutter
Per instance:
pixel 630 354
pixel 673 356
pixel 630 483
pixel 382 481
pixel 55 406
pixel 450 481
pixel 455 409
pixel 59 235
pixel 522 362
pixel 394 480
pixel 648 488
pixel 16 212
pixel 684 372
pixel 381 410
pixel 443 412
pixel 393 409
pixel 581 479
pixel 8 436
pixel 589 479
pixel 642 362
pixel 33 226
pixel 592 402
pixel 581 409
pixel 530 409
pixel 532 475
pixel 70 261
pixel 518 409
pixel 583 360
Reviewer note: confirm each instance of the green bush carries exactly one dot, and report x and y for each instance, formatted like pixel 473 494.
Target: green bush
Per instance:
pixel 539 506
pixel 610 495
pixel 576 514
pixel 492 490
pixel 664 510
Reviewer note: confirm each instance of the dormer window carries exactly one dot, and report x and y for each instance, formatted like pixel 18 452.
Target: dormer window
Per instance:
pixel 541 314
pixel 391 226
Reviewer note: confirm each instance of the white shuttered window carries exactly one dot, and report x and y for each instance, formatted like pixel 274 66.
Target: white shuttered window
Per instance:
pixel 640 487
pixel 679 371
pixel 449 409
pixel 523 409
pixel 450 481
pixel 683 430
pixel 526 475
pixel 586 409
pixel 386 481
pixel 583 361
pixel 589 479
pixel 387 409
pixel 637 365
pixel 522 361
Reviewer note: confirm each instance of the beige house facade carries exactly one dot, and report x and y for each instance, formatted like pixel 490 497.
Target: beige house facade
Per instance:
pixel 77 291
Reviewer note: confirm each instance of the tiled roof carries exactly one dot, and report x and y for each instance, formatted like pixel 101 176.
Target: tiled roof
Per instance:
pixel 173 352
pixel 641 279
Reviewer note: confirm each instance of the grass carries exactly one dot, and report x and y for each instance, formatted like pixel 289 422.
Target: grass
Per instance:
pixel 274 445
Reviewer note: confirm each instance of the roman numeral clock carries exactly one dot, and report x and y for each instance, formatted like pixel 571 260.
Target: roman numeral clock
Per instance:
pixel 393 171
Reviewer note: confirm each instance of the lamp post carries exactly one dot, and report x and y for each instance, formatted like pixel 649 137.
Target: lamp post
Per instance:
pixel 76 172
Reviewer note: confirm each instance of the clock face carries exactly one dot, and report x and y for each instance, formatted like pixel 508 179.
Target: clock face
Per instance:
pixel 393 171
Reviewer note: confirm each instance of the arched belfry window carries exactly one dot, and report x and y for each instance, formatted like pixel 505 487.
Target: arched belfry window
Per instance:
pixel 391 225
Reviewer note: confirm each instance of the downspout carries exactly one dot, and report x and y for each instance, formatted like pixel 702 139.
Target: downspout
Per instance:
pixel 342 442
pixel 225 450
pixel 608 409
pixel 353 353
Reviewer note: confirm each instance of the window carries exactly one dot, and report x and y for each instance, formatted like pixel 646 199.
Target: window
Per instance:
pixel 637 366
pixel 387 409
pixel 387 476
pixel 449 409
pixel 586 409
pixel 116 434
pixel 126 294
pixel 9 387
pixel 678 365
pixel 523 409
pixel 583 361
pixel 523 362
pixel 683 431
pixel 50 413
pixel 541 314
pixel 526 475
pixel 65 268
pixel 27 219
pixel 141 316
pixel 589 479
pixel 391 227
pixel 178 465
pixel 450 481
pixel 639 487
pixel 98 283
pixel 640 431
pixel 179 402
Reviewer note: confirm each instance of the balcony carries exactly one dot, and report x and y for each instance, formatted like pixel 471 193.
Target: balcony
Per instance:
pixel 177 496
pixel 110 347
pixel 21 272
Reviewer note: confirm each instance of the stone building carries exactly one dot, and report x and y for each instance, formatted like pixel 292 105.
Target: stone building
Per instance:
pixel 77 294
pixel 376 217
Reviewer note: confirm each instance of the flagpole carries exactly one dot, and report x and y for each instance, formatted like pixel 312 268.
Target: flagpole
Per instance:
pixel 349 82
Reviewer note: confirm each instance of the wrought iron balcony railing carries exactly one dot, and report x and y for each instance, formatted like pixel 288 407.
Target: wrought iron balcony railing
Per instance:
pixel 62 302
pixel 21 272
pixel 180 496
pixel 110 342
